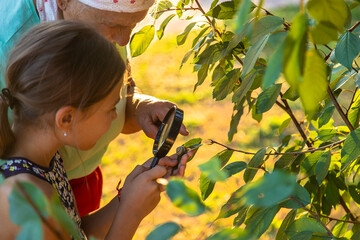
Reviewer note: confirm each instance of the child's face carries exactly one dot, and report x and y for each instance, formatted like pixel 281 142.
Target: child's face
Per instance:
pixel 90 126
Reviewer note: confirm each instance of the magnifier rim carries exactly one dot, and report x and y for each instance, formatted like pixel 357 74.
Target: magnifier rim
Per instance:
pixel 173 132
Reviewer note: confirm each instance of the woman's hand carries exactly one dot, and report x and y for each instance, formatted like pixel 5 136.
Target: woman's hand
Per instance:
pixel 150 112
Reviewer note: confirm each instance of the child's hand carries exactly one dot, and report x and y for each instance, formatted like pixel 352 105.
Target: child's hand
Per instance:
pixel 172 161
pixel 141 192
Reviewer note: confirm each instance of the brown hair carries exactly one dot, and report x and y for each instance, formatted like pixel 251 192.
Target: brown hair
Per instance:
pixel 57 64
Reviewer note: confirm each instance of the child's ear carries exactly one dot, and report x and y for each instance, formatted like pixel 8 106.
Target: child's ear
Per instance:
pixel 64 118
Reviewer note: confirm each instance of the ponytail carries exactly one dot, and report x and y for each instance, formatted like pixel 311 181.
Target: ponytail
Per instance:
pixel 7 137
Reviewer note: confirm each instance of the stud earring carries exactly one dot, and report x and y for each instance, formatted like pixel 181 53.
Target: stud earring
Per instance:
pixel 65 134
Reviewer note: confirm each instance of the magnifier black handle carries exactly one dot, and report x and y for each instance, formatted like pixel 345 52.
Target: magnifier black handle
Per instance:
pixel 154 162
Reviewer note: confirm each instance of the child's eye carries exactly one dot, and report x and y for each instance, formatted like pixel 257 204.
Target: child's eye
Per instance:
pixel 113 109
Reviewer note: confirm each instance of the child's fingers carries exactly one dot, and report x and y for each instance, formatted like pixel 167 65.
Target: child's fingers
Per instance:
pixel 168 161
pixel 182 164
pixel 139 169
pixel 156 172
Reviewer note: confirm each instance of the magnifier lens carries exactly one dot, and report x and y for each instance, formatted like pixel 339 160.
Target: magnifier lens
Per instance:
pixel 166 131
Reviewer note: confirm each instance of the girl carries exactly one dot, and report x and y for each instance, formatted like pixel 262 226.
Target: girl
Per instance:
pixel 63 82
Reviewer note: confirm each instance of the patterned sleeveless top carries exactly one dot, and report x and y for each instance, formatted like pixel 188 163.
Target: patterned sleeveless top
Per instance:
pixel 55 175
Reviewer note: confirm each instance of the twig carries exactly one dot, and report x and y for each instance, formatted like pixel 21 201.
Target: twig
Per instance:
pixel 339 220
pixel 338 108
pixel 350 30
pixel 176 9
pixel 36 209
pixel 278 153
pixel 295 121
pixel 347 210
pixel 207 18
pixel 355 26
pixel 312 214
pixel 286 25
pixel 238 59
pixel 352 101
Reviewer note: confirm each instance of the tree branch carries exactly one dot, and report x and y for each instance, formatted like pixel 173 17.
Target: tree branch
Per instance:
pixel 338 108
pixel 207 18
pixel 176 9
pixel 295 121
pixel 278 153
pixel 312 214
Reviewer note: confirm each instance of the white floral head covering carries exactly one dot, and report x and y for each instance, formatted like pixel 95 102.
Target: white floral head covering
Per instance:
pixel 119 5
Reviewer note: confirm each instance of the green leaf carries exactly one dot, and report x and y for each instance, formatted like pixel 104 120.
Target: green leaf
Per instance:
pixel 309 164
pixel 326 134
pixel 294 52
pixel 179 8
pixel 202 74
pixel 232 206
pixel 284 125
pixel 240 218
pixel 191 143
pixel 322 167
pixel 225 10
pixel 185 198
pixel 326 116
pixel 57 211
pixel 31 230
pixel 245 86
pixel 254 163
pixel 242 15
pixel 332 192
pixel 230 234
pixel 253 54
pixel 305 224
pixel 354 193
pixel 206 186
pixel 351 149
pixel 22 213
pixel 274 67
pixel 260 220
pixel 284 161
pixel 226 84
pixel 237 38
pixel 306 235
pixel 267 98
pixel 164 231
pixel 235 119
pixel 212 54
pixel 160 32
pixel 354 111
pixel 340 228
pixel 269 190
pixel 332 11
pixel 281 233
pixel 234 168
pixel 201 33
pixel 323 33
pixel 181 38
pixel 313 88
pixel 141 40
pixel 264 26
pixel 347 48
pixel 212 170
pixel 300 194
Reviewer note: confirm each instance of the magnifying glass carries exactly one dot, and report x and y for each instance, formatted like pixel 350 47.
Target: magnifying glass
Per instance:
pixel 167 134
